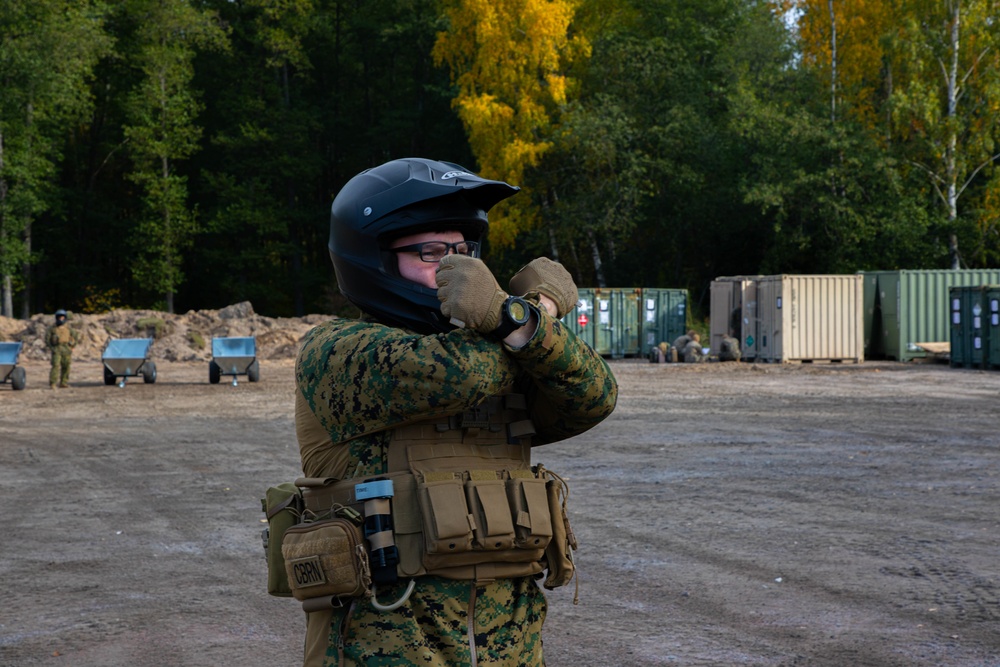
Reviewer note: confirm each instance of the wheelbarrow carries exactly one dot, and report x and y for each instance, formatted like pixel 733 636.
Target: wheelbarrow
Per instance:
pixel 9 370
pixel 234 356
pixel 126 357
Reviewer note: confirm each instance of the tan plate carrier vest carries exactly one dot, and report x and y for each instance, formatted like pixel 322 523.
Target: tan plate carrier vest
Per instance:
pixel 467 504
pixel 62 335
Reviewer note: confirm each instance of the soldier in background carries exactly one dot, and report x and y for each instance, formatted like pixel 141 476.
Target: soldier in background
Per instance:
pixel 729 349
pixel 682 341
pixel 61 340
pixel 681 344
pixel 439 342
pixel 693 352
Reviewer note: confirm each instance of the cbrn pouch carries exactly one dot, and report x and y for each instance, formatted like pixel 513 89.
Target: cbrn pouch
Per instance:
pixel 326 558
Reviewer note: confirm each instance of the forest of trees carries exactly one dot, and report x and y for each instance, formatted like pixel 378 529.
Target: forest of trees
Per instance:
pixel 183 154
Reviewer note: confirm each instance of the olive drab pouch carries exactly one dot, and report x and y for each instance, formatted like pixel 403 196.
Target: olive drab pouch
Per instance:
pixel 282 507
pixel 326 558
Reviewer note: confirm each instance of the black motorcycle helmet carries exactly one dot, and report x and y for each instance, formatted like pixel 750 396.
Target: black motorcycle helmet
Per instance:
pixel 399 198
pixel 60 316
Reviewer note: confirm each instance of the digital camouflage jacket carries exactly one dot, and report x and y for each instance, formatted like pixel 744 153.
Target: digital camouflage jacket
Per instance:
pixel 360 379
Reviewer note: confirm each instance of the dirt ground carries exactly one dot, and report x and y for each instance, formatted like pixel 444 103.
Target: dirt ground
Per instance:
pixel 728 514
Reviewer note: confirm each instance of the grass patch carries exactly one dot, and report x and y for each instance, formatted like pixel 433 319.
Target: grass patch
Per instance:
pixel 151 325
pixel 196 339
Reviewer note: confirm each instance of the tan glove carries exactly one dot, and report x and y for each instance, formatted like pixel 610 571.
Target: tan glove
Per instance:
pixel 469 294
pixel 546 277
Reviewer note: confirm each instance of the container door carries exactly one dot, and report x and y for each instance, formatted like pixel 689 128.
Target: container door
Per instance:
pixel 603 322
pixel 890 286
pixel 770 310
pixel 724 293
pixel 967 326
pixel 650 333
pixel 627 313
pixel 991 301
pixel 873 317
pixel 663 316
pixel 749 319
pixel 673 314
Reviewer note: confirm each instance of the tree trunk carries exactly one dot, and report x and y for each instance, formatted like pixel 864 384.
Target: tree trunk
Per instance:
pixel 951 174
pixel 833 63
pixel 168 244
pixel 8 297
pixel 578 278
pixel 595 254
pixel 26 265
pixel 888 107
pixel 553 249
pixel 26 274
pixel 298 293
pixel 6 304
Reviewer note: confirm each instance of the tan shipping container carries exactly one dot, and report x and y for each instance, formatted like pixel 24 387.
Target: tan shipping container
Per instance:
pixel 811 318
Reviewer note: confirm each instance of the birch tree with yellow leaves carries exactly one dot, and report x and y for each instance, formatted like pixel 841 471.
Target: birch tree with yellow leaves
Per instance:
pixel 945 112
pixel 508 59
pixel 844 42
pixel 924 77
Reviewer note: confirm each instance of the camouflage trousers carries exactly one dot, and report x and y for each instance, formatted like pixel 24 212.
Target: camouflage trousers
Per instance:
pixel 432 628
pixel 62 357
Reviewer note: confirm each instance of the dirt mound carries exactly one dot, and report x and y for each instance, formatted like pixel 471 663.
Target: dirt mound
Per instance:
pixel 186 337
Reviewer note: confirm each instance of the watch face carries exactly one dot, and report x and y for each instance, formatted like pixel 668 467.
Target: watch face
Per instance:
pixel 518 311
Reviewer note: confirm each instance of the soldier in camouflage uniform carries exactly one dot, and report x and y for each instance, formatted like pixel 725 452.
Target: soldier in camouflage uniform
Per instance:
pixel 693 353
pixel 61 340
pixel 729 349
pixel 682 341
pixel 404 242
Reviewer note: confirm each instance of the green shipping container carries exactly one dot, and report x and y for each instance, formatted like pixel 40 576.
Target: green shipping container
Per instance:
pixel 903 308
pixel 968 326
pixel 613 320
pixel 664 317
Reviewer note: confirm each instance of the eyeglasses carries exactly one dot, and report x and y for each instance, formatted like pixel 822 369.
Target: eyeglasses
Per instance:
pixel 434 251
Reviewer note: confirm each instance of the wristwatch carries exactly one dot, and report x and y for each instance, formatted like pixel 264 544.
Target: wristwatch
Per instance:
pixel 514 315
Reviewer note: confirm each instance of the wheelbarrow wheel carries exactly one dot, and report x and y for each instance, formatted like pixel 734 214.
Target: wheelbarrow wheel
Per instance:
pixel 18 378
pixel 253 371
pixel 109 377
pixel 214 372
pixel 149 372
